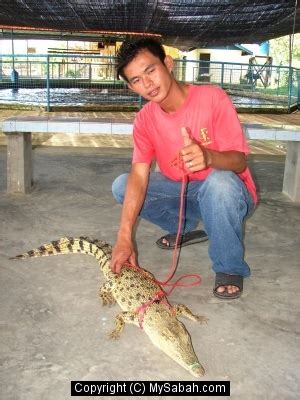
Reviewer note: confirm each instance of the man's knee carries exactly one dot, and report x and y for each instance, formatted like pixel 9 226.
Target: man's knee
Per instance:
pixel 118 187
pixel 224 185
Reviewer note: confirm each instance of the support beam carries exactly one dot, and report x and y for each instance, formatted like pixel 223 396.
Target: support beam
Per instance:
pixel 291 180
pixel 19 162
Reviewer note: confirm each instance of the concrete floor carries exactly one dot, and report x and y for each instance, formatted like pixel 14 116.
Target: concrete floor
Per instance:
pixel 54 329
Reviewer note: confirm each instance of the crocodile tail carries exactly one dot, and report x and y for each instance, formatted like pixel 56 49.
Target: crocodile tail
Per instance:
pixel 99 249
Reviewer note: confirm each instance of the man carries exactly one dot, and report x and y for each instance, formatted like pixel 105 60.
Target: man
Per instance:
pixel 198 123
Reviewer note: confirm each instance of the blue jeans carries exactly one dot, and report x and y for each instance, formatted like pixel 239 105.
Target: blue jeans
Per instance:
pixel 221 201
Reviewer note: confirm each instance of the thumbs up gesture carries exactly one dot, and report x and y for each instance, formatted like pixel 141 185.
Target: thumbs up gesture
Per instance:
pixel 193 154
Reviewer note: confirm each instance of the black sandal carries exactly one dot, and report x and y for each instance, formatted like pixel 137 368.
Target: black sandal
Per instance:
pixel 185 240
pixel 225 280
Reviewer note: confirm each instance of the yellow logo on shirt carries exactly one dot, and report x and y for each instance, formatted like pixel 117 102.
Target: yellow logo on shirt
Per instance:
pixel 204 138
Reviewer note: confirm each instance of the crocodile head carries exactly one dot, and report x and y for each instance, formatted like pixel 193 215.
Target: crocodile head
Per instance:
pixel 171 336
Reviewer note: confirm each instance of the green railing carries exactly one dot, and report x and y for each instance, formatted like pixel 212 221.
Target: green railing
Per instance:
pixel 89 81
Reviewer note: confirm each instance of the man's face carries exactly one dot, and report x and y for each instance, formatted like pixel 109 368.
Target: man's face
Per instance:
pixel 149 77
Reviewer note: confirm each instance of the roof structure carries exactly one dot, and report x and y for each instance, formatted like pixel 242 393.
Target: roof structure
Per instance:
pixel 182 23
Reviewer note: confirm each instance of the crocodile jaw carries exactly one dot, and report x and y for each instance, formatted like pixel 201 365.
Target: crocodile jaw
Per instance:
pixel 197 370
pixel 171 337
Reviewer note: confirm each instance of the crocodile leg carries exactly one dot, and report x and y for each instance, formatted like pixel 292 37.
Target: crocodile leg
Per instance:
pixel 182 310
pixel 106 295
pixel 128 317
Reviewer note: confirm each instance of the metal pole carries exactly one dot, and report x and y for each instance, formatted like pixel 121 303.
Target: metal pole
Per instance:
pixel 48 83
pixel 12 50
pixel 1 66
pixel 222 76
pixel 290 89
pixel 27 57
pixel 298 86
pixel 278 83
pixel 290 80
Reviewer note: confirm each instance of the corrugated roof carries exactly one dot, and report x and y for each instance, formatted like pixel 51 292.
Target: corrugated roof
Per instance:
pixel 181 23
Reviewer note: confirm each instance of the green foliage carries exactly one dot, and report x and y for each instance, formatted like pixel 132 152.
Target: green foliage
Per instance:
pixel 279 50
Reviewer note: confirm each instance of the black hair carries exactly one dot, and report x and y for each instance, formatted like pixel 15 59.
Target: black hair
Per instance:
pixel 130 49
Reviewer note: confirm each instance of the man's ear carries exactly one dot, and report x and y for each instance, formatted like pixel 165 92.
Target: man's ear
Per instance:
pixel 169 63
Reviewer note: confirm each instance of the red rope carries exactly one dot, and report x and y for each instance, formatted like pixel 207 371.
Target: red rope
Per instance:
pixel 177 162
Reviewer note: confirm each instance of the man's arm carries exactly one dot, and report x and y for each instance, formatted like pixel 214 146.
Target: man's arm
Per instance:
pixel 227 160
pixel 135 194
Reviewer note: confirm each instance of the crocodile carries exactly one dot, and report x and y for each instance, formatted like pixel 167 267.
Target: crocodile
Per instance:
pixel 141 298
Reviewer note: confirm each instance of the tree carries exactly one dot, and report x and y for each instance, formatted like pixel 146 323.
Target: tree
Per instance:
pixel 279 50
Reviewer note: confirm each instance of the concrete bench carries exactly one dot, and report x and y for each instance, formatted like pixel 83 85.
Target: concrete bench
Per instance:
pixel 18 131
pixel 19 149
pixel 291 135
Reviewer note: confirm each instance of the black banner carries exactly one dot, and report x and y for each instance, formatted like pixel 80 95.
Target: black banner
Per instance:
pixel 150 388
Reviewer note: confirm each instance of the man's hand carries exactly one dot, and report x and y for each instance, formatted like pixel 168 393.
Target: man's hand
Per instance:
pixel 195 156
pixel 123 252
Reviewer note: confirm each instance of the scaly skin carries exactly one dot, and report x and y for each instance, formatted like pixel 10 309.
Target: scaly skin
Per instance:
pixel 132 288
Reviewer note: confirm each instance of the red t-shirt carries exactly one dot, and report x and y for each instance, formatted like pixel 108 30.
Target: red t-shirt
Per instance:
pixel 210 118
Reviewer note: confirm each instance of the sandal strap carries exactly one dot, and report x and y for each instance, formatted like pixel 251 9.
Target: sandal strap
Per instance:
pixel 227 279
